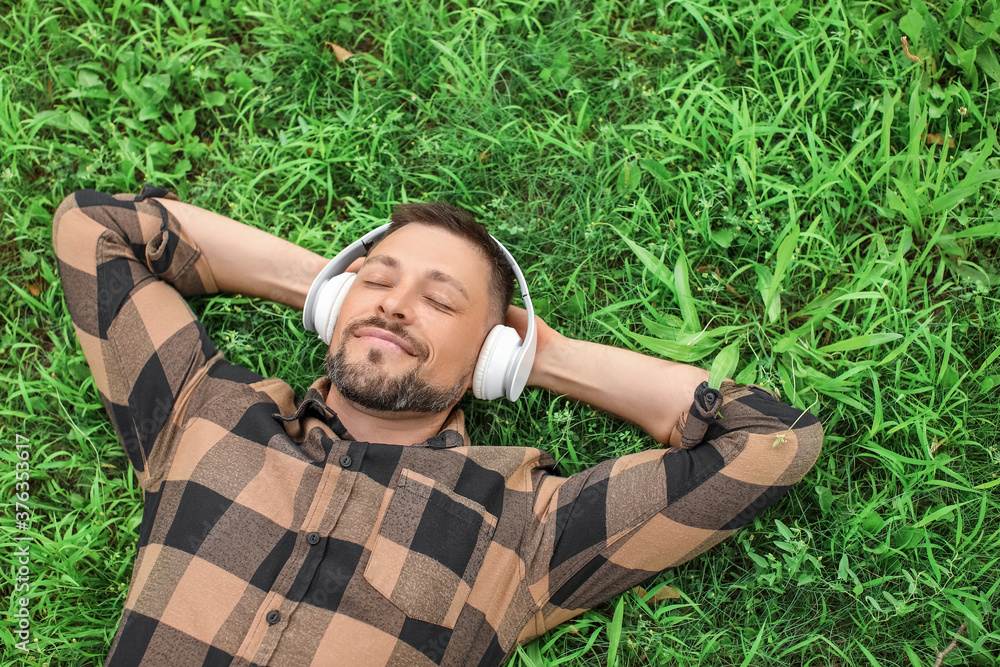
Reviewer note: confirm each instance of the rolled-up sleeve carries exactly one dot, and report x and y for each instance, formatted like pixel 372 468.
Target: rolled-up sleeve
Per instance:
pixel 126 266
pixel 613 526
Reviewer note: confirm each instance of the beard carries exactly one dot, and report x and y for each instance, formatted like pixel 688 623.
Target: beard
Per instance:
pixel 369 385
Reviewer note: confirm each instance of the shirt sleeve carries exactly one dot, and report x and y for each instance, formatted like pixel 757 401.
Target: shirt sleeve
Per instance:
pixel 613 526
pixel 126 266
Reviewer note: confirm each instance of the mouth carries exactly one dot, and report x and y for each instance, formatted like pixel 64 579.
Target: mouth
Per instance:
pixel 384 339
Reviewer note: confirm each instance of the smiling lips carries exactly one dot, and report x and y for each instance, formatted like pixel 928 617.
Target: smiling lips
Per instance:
pixel 390 339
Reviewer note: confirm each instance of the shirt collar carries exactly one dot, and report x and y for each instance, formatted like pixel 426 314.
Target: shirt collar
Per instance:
pixel 452 433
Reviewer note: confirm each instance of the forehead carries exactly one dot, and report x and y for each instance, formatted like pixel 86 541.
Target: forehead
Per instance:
pixel 423 248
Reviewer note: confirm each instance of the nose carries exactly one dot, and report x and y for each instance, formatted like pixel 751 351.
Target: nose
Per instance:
pixel 394 304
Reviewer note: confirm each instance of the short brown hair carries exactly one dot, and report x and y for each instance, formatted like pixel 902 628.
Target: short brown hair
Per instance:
pixel 462 224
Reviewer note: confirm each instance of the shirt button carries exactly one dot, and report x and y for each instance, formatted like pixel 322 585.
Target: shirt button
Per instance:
pixel 312 538
pixel 345 461
pixel 273 616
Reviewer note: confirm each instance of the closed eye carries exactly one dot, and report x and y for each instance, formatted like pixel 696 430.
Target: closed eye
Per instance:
pixel 440 305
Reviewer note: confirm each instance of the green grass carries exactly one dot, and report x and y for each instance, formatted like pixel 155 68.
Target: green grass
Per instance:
pixel 675 177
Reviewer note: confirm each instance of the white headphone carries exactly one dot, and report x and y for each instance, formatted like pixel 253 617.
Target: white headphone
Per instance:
pixel 504 360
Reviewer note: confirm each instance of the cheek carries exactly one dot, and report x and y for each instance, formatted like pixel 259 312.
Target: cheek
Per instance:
pixel 459 350
pixel 473 342
pixel 338 332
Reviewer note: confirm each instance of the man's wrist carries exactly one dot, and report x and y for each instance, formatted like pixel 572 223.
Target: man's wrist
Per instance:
pixel 556 362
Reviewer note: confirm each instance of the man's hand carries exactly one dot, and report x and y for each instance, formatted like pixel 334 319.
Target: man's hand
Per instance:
pixel 548 338
pixel 650 392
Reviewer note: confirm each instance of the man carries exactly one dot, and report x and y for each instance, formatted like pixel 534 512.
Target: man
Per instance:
pixel 361 525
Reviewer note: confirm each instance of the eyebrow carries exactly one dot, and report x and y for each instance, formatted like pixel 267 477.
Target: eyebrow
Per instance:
pixel 431 274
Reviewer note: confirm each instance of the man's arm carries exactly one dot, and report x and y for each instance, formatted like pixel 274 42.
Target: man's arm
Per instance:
pixel 246 260
pixel 126 264
pixel 614 525
pixel 650 392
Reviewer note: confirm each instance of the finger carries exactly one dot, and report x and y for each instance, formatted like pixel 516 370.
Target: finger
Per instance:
pixel 355 265
pixel 516 315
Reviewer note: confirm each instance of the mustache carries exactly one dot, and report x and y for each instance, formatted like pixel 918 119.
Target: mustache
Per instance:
pixel 394 328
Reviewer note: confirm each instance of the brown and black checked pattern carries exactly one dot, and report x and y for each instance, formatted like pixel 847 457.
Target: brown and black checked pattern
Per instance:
pixel 281 541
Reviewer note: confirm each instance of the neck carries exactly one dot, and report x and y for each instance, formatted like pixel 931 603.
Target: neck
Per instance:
pixel 391 428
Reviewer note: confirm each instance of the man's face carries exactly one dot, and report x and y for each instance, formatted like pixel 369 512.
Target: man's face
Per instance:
pixel 412 324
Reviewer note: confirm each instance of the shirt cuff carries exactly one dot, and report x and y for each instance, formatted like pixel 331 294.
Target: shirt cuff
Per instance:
pixel 172 255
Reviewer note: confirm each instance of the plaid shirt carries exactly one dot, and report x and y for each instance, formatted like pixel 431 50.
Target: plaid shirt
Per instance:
pixel 270 536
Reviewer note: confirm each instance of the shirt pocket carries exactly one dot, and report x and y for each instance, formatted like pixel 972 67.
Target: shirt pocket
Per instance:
pixel 429 549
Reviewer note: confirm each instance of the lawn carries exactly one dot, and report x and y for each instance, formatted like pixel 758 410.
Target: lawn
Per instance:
pixel 787 181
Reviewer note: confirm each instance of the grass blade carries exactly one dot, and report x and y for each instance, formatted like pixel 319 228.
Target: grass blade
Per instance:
pixel 649 260
pixel 784 257
pixel 724 365
pixel 859 342
pixel 682 288
pixel 615 632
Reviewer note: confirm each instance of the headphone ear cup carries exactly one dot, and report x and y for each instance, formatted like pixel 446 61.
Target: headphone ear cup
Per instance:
pixel 489 380
pixel 329 299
